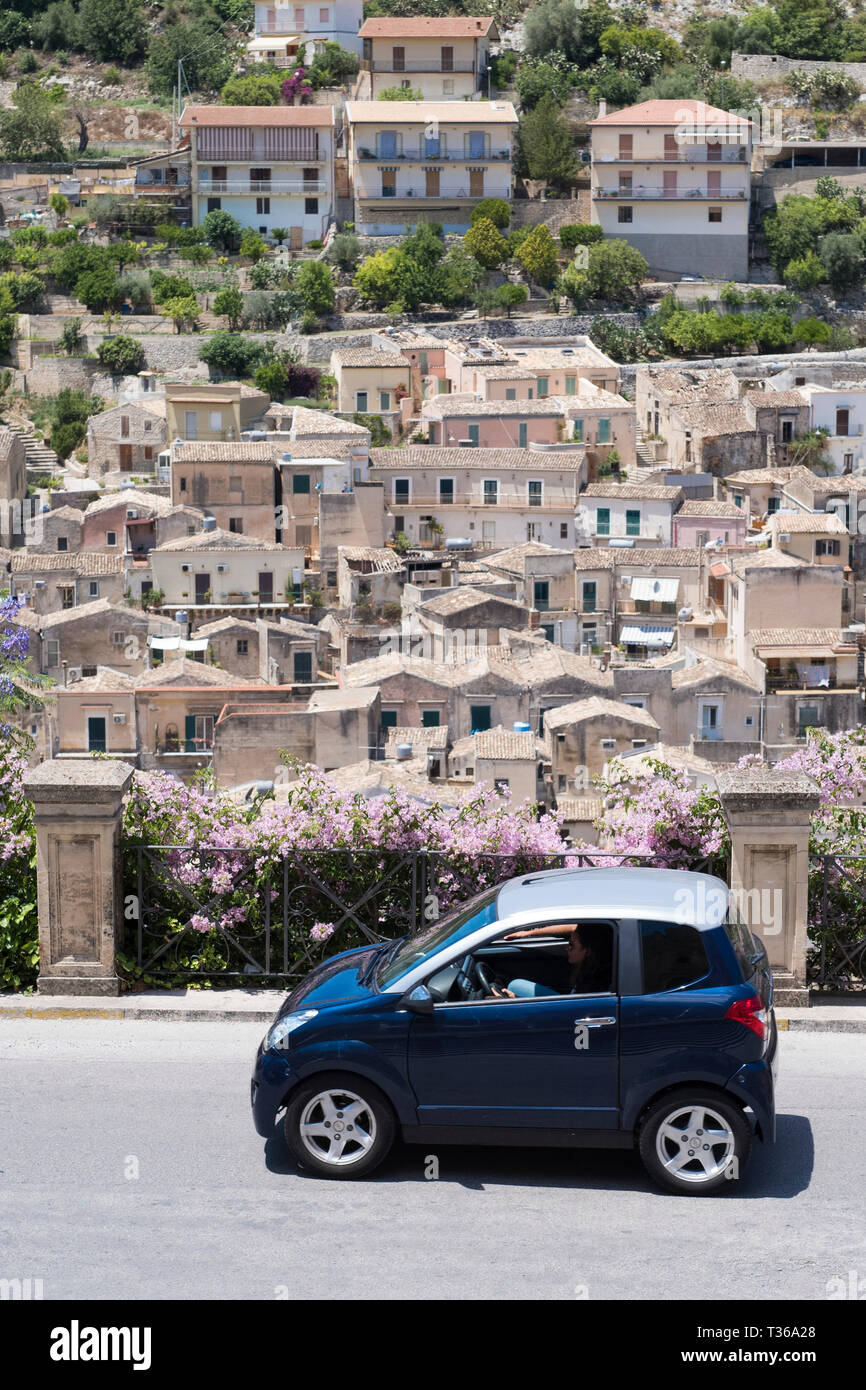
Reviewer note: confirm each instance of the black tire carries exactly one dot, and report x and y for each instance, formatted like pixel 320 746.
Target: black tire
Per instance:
pixel 703 1166
pixel 327 1102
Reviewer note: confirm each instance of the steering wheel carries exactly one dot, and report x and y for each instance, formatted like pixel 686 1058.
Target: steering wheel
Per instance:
pixel 482 975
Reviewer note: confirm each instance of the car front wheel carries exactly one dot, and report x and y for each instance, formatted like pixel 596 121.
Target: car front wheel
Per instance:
pixel 695 1143
pixel 339 1126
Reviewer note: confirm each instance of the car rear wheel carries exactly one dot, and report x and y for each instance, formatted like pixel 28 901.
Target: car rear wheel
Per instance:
pixel 339 1126
pixel 695 1142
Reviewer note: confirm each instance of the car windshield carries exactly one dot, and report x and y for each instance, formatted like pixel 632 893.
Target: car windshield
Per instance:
pixel 480 911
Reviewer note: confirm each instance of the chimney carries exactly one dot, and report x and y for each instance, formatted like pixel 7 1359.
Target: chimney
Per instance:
pixel 602 108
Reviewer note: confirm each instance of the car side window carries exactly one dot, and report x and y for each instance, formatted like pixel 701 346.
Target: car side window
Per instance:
pixel 673 955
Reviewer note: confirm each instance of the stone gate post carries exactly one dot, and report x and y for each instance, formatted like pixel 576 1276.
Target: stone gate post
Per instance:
pixel 769 816
pixel 77 804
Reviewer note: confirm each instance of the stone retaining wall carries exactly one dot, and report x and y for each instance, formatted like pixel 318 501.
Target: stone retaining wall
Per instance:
pixel 765 67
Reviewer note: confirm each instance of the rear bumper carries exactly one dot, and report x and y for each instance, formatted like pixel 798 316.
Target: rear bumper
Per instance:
pixel 272 1079
pixel 753 1086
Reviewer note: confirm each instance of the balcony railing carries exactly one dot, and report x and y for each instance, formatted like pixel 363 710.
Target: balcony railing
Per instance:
pixel 640 193
pixel 417 156
pixel 736 155
pixel 551 501
pixel 420 65
pixel 446 190
pixel 245 187
pixel 791 680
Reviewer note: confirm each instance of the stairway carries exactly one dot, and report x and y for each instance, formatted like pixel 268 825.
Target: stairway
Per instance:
pixel 37 456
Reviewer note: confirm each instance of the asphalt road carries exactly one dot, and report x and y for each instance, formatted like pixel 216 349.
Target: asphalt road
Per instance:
pixel 129 1168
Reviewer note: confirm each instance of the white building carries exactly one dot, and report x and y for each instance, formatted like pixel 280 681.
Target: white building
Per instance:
pixel 284 32
pixel 841 411
pixel 673 179
pixel 445 58
pixel 492 497
pixel 426 160
pixel 269 166
pixel 641 514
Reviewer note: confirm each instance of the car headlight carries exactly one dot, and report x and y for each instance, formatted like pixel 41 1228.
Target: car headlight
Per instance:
pixel 278 1037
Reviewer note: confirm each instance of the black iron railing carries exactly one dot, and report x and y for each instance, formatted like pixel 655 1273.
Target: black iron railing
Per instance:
pixel 836 959
pixel 228 915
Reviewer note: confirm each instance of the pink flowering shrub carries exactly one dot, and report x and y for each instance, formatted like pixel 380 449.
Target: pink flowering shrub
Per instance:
pixel 19 935
pixel 337 869
pixel 660 815
pixel 296 88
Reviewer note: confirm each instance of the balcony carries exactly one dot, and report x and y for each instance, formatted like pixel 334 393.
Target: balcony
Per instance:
pixel 258 187
pixel 418 65
pixel 417 156
pixel 736 155
pixel 551 502
pixel 672 195
pixel 792 680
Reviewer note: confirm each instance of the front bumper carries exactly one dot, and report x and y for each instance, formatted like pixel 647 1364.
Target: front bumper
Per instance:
pixel 272 1079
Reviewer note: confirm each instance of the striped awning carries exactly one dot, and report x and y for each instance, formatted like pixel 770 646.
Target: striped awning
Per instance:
pixel 642 635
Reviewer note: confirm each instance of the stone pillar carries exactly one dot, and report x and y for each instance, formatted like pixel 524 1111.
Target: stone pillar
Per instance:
pixel 77 805
pixel 769 817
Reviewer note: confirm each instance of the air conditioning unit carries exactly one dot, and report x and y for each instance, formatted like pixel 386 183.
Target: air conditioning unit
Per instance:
pixel 785 536
pixel 185 569
pixel 39 583
pixel 73 674
pixel 222 569
pixel 131 514
pixel 120 718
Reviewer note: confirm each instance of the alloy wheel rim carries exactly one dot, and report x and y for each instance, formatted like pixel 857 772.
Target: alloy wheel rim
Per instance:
pixel 695 1144
pixel 337 1127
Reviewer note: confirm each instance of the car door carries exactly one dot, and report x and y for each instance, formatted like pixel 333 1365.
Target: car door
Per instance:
pixel 546 1062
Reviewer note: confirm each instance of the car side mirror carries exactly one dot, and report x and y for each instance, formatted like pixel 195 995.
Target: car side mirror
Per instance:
pixel 418 1000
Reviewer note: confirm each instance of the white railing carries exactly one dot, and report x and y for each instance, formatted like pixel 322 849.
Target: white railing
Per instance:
pixel 256 187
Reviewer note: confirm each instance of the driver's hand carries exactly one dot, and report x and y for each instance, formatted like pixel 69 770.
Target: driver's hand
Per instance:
pixel 503 993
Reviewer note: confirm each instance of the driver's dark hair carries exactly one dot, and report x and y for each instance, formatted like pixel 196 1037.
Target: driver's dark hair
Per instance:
pixel 597 939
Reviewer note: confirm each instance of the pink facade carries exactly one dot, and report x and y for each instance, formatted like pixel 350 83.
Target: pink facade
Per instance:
pixel 497 431
pixel 691 531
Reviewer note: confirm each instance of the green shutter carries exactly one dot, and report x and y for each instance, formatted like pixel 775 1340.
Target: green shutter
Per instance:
pixel 189 733
pixel 602 521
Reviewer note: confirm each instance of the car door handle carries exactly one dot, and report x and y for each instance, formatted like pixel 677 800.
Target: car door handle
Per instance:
pixel 594 1022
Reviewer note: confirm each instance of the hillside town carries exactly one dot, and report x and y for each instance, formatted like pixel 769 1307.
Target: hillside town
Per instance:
pixel 352 428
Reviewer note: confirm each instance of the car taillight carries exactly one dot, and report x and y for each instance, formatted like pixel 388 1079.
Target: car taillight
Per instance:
pixel 751 1013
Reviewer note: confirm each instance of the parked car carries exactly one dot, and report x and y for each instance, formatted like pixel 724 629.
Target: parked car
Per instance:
pixel 672 1052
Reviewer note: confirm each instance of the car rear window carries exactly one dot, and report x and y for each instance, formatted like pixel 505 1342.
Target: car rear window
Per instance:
pixel 673 955
pixel 745 946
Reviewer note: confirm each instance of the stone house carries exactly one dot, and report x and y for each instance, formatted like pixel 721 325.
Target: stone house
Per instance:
pixel 370 381
pixel 13 486
pixel 819 538
pixel 284 654
pixel 333 729
pixel 126 439
pixel 215 569
pixel 507 759
pixel 235 483
pixel 420 693
pixel 582 736
pixel 77 641
pixel 464 616
pixel 53 582
pixel 56 532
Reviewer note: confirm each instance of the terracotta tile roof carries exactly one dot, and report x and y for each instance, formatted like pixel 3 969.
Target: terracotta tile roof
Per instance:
pixel 446 27
pixel 105 679
pixel 692 387
pixel 672 112
pixel 726 418
pixel 710 669
pixel 594 707
pixel 768 558
pixel 775 399
pixel 385 561
pixel 206 451
pixel 234 116
pixel 716 508
pixel 155 503
pixel 218 540
pixel 506 745
pixel 758 477
pixel 633 492
pixel 463 599
pixel 513 560
pixel 445 407
pixel 801 637
pixel 420 739
pixel 572 808
pixel 807 523
pixel 184 672
pixel 89 563
pixel 312 422
pixel 369 357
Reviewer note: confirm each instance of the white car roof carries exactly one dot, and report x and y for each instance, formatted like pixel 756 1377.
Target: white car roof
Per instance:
pixel 675 895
